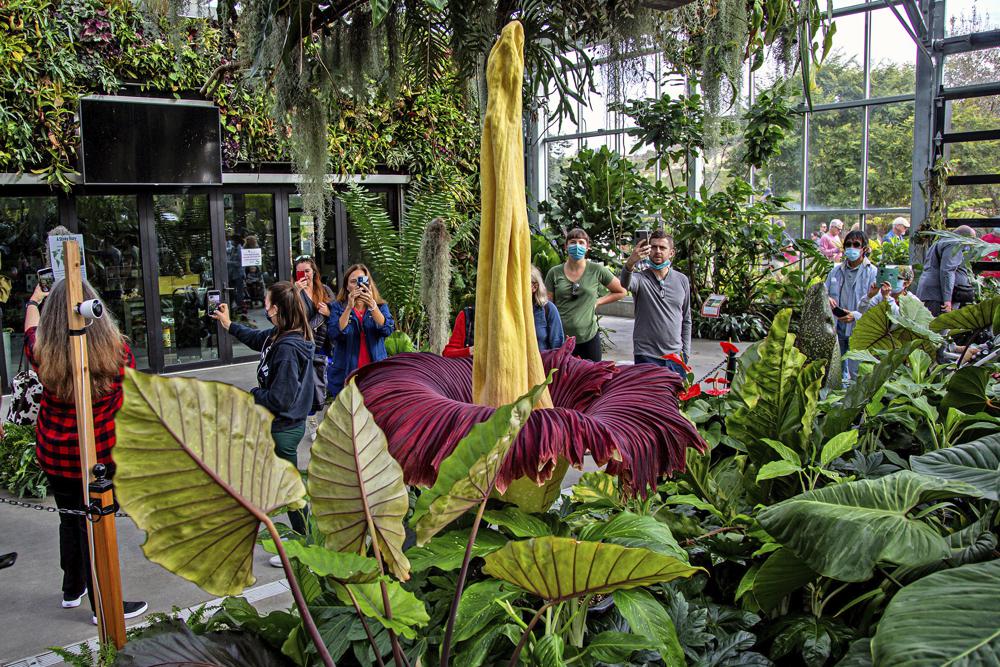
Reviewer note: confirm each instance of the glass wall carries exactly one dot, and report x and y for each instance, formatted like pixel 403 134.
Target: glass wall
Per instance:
pixel 184 253
pixel 850 157
pixel 110 228
pixel 251 259
pixel 24 222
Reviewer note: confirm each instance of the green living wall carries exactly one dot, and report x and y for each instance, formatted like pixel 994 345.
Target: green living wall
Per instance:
pixel 52 53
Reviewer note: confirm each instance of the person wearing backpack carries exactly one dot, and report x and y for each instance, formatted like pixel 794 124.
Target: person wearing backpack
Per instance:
pixel 548 324
pixel 285 374
pixel 945 282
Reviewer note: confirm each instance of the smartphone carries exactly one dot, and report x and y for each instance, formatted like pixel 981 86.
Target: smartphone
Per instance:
pixel 888 274
pixel 45 279
pixel 214 298
pixel 299 275
pixel 640 235
pixel 839 312
pixel 362 281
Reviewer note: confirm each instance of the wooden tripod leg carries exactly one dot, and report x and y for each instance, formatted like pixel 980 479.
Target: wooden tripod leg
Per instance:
pixel 110 616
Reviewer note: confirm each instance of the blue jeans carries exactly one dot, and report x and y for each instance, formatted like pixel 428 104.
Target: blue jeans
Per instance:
pixel 669 364
pixel 848 368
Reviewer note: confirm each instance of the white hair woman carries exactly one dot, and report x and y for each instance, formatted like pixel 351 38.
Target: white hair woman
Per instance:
pixel 548 325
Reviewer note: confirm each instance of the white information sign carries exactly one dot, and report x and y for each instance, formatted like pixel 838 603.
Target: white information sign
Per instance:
pixel 251 257
pixel 713 305
pixel 56 260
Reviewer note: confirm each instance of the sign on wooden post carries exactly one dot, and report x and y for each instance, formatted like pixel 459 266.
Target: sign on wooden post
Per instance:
pixel 102 537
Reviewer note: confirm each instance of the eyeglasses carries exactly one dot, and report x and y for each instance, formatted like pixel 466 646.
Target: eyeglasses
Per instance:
pixel 574 291
pixel 854 244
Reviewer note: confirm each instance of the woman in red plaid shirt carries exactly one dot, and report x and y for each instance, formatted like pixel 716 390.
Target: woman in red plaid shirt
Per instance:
pixel 47 345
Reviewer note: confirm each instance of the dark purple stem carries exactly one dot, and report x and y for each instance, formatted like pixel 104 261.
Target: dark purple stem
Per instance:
pixel 446 645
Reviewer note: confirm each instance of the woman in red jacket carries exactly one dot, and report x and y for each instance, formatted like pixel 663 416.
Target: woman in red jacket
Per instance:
pixel 47 345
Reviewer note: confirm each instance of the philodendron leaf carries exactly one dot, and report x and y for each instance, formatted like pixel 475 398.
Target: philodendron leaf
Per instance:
pixel 837 446
pixel 479 606
pixel 973 317
pixel 616 647
pixel 196 470
pixel 517 521
pixel 632 530
pixel 844 531
pixel 967 390
pixel 976 463
pixel 561 568
pixel 648 618
pixel 355 485
pixel 408 612
pixel 344 566
pixel 782 573
pixel 946 618
pixel 446 551
pixel 468 475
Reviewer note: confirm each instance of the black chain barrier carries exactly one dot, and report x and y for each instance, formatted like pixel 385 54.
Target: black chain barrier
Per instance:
pixel 44 508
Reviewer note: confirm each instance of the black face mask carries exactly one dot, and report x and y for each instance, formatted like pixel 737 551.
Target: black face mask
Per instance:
pixel 268 316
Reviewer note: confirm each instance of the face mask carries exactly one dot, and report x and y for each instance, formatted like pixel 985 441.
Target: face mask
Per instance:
pixel 852 254
pixel 268 316
pixel 577 251
pixel 659 267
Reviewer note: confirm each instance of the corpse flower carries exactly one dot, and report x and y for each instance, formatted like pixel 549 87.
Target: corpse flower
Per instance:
pixel 624 417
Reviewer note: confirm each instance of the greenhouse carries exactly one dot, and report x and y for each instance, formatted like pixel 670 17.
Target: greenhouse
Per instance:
pixel 500 332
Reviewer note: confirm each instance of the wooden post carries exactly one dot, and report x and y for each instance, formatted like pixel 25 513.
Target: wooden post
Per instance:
pixel 101 534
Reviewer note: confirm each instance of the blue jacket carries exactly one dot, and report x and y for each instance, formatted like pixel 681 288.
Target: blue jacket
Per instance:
pixel 548 327
pixel 285 375
pixel 855 300
pixel 347 343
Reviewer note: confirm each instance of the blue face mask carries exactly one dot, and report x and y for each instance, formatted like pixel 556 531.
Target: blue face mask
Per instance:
pixel 852 254
pixel 577 251
pixel 659 267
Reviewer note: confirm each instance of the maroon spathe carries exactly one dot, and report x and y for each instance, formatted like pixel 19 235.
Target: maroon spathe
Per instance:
pixel 423 402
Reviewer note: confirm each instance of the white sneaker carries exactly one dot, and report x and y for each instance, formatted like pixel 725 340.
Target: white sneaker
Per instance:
pixel 131 609
pixel 275 561
pixel 70 602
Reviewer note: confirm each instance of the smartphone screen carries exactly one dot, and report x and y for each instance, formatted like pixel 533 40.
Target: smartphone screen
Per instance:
pixel 45 279
pixel 838 311
pixel 299 275
pixel 214 298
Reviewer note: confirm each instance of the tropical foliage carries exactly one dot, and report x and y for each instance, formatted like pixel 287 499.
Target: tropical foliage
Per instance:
pixel 20 474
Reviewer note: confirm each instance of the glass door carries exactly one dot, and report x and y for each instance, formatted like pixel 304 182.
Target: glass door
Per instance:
pixel 251 259
pixel 110 228
pixel 184 255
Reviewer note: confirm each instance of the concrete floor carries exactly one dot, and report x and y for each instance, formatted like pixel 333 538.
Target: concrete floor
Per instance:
pixel 32 619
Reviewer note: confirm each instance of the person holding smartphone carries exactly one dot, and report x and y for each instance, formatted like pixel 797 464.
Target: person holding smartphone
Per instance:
pixel 359 323
pixel 573 287
pixel 316 297
pixel 285 374
pixel 851 286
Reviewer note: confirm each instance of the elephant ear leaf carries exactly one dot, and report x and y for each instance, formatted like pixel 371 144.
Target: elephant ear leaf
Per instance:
pixel 196 470
pixel 844 531
pixel 967 391
pixel 945 618
pixel 971 318
pixel 976 463
pixel 880 329
pixel 467 477
pixel 355 485
pixel 562 568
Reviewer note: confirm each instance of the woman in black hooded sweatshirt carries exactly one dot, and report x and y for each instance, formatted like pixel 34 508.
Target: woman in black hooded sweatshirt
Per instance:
pixel 285 373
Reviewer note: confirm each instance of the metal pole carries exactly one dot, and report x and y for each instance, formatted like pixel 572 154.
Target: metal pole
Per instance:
pixel 102 538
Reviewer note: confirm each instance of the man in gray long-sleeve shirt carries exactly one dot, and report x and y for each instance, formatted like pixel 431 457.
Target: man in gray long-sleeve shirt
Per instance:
pixel 662 304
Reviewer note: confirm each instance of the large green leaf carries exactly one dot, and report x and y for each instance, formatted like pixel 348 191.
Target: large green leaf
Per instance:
pixel 197 471
pixel 408 612
pixel 597 488
pixel 633 530
pixel 976 463
pixel 446 551
pixel 975 317
pixel 779 392
pixel 344 566
pixel 843 531
pixel 517 521
pixel 478 606
pixel 947 618
pixel 355 485
pixel 967 391
pixel 647 618
pixel 782 573
pixel 841 416
pixel 561 568
pixel 467 476
pixel 881 329
pixel 616 647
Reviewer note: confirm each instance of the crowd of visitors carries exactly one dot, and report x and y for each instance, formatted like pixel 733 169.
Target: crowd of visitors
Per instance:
pixel 318 338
